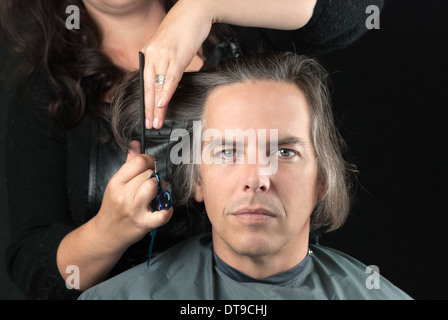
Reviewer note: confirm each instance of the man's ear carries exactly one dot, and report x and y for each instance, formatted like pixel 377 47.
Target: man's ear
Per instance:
pixel 322 189
pixel 198 194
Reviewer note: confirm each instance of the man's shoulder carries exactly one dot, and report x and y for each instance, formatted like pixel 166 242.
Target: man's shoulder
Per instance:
pixel 349 278
pixel 149 282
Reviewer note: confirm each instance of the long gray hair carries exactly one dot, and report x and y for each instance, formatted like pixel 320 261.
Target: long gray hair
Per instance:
pixel 187 105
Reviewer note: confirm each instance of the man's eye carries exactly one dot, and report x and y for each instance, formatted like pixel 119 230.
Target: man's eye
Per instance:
pixel 226 154
pixel 229 153
pixel 286 153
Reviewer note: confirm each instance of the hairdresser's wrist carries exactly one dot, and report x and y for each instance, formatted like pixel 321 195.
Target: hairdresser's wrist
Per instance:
pixel 112 238
pixel 204 11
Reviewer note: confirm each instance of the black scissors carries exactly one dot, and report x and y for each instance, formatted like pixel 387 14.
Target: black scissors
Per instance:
pixel 162 201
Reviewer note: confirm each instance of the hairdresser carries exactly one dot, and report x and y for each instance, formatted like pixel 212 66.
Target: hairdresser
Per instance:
pixel 79 211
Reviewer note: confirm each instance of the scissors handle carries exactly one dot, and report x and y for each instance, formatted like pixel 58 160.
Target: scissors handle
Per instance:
pixel 163 197
pixel 164 200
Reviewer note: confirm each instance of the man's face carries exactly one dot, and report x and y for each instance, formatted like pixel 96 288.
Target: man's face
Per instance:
pixel 254 214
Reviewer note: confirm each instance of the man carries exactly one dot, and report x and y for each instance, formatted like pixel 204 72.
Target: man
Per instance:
pixel 261 219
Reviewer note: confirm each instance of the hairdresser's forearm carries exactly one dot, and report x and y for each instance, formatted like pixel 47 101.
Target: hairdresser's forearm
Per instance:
pixel 285 14
pixel 89 249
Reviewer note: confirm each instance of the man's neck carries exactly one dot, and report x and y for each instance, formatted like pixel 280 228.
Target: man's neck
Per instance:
pixel 125 32
pixel 263 266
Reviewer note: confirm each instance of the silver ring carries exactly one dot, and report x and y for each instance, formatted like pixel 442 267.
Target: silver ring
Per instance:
pixel 160 79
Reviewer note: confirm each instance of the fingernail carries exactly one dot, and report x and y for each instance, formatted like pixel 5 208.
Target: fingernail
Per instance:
pixel 161 103
pixel 147 124
pixel 156 123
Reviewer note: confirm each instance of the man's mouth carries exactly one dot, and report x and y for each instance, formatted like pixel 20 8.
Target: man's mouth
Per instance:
pixel 254 214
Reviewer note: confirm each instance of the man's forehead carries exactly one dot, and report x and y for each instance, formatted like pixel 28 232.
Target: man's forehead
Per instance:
pixel 259 105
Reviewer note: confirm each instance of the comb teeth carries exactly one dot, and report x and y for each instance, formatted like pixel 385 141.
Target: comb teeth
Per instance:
pixel 142 101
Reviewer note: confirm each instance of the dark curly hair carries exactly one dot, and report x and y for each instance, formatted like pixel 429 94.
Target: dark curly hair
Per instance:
pixel 37 34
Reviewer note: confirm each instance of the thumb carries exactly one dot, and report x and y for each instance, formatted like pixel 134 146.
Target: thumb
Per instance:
pixel 134 149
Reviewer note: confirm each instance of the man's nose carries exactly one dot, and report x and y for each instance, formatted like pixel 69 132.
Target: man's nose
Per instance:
pixel 253 180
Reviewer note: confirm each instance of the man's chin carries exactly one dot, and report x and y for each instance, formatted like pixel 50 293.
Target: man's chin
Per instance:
pixel 255 246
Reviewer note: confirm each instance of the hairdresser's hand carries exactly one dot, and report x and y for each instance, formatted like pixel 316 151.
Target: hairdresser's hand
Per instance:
pixel 170 51
pixel 125 213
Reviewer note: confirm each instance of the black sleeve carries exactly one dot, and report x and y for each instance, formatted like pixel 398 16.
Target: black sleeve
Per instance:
pixel 37 195
pixel 334 25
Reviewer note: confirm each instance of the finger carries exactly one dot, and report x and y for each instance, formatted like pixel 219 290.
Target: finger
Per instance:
pixel 142 201
pixel 149 81
pixel 143 181
pixel 133 184
pixel 158 218
pixel 161 80
pixel 145 193
pixel 153 87
pixel 133 167
pixel 174 74
pixel 142 177
pixel 134 149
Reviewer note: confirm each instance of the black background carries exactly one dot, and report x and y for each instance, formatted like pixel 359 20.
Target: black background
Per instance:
pixel 390 96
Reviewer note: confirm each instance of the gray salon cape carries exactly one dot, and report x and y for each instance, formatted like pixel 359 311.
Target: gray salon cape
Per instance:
pixel 188 271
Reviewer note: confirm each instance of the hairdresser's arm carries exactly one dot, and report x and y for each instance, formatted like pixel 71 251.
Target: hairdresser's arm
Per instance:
pixel 45 185
pixel 284 15
pixel 187 25
pixel 124 218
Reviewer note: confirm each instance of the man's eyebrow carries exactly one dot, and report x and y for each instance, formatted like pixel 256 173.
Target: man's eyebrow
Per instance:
pixel 218 143
pixel 287 141
pixel 291 141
